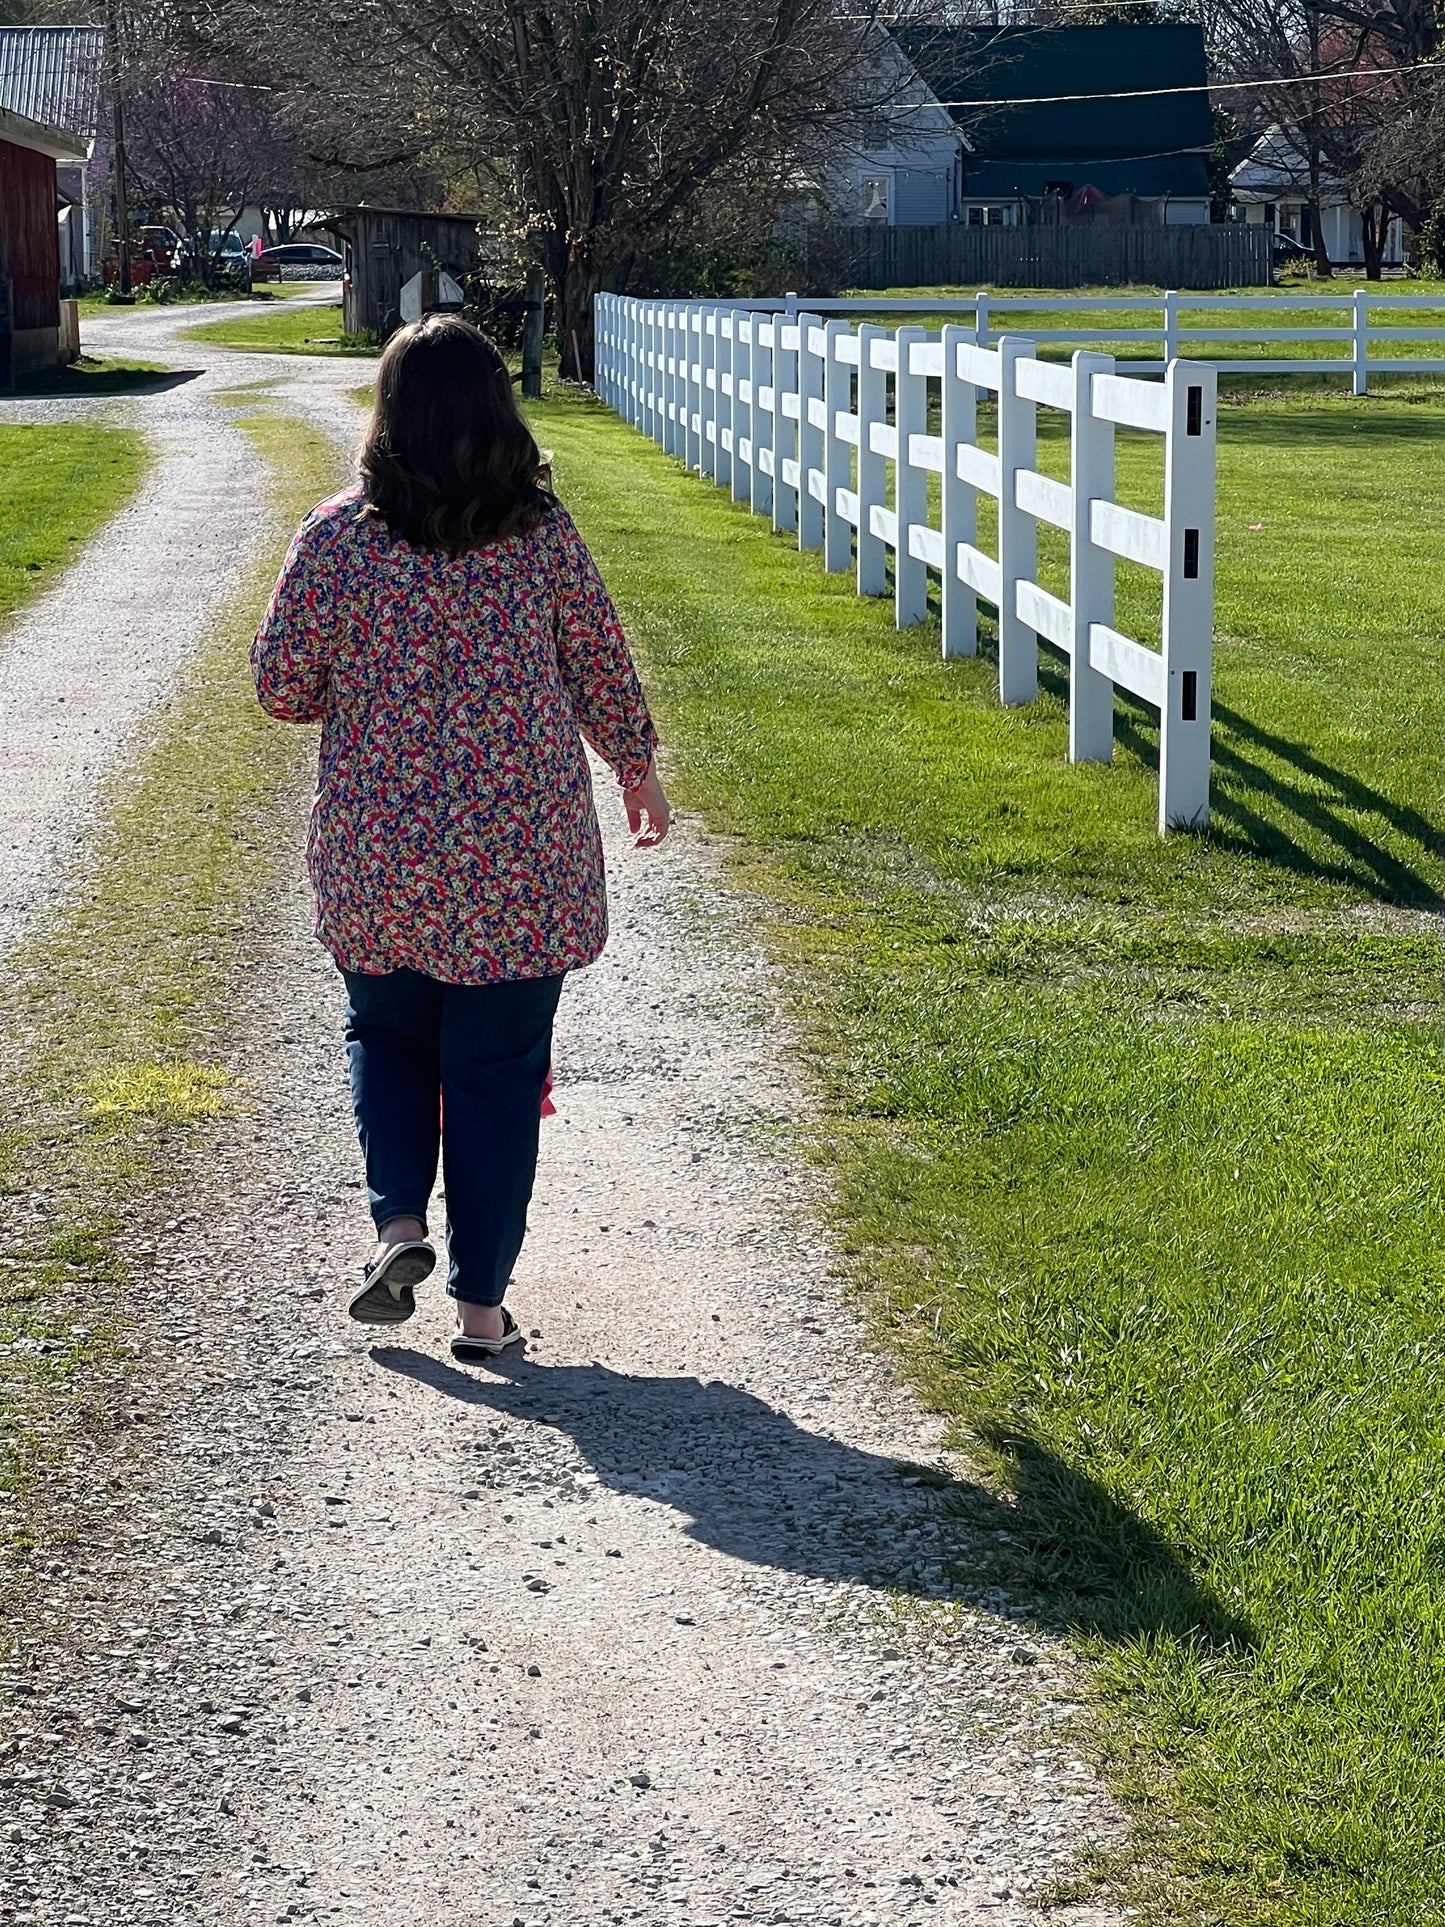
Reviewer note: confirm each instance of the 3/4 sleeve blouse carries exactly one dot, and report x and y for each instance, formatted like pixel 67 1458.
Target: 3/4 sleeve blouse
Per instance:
pixel 453 830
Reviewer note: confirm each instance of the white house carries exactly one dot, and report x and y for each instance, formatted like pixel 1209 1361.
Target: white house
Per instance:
pixel 1272 186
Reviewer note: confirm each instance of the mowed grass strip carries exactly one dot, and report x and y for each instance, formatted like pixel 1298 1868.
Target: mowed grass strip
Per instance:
pixel 1139 1146
pixel 116 1022
pixel 290 330
pixel 57 485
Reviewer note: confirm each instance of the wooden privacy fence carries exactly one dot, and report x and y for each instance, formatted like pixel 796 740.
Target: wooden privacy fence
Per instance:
pixel 828 430
pixel 1231 254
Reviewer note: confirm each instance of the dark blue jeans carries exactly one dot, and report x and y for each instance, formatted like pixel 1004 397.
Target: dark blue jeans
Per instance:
pixel 457 1068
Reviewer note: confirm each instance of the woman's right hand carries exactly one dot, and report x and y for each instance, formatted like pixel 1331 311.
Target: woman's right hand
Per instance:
pixel 648 812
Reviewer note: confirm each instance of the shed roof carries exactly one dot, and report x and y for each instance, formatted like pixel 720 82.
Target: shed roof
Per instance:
pixel 51 75
pixel 977 65
pixel 40 139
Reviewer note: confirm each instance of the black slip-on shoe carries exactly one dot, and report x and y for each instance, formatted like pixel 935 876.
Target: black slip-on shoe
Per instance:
pixel 387 1295
pixel 472 1349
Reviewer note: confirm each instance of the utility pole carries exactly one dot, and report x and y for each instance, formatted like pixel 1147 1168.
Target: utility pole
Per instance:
pixel 122 200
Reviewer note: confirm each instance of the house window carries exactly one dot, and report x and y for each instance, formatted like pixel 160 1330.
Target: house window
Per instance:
pixel 875 198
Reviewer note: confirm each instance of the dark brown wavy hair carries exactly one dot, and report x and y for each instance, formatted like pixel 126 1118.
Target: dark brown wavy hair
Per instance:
pixel 448 462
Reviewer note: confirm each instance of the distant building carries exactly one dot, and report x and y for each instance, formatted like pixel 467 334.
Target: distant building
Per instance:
pixel 51 77
pixel 1272 186
pixel 1020 125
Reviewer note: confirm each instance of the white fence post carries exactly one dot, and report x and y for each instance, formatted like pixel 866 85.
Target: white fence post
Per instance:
pixel 1171 326
pixel 1361 315
pixel 872 467
pixel 959 409
pixel 707 339
pixel 1018 540
pixel 910 483
pixel 838 396
pixel 1188 597
pixel 726 353
pixel 980 318
pixel 787 496
pixel 1091 569
pixel 764 401
pixel 691 411
pixel 810 432
pixel 742 406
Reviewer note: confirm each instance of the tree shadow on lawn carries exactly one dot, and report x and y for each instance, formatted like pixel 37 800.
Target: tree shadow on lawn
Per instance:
pixel 760 1488
pixel 1324 801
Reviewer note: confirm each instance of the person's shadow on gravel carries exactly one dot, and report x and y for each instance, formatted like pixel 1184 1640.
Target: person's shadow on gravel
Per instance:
pixel 760 1488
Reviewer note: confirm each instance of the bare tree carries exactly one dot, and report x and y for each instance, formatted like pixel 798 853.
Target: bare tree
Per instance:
pixel 598 132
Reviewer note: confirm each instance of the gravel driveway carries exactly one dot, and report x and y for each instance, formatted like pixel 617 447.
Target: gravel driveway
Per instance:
pixel 653 1625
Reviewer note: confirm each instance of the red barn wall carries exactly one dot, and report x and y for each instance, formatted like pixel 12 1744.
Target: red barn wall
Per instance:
pixel 29 237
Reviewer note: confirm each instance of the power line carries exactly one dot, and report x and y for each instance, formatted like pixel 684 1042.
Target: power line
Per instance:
pixel 1208 87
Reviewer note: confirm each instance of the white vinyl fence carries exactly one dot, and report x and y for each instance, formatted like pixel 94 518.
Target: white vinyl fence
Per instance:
pixel 1367 333
pixel 829 431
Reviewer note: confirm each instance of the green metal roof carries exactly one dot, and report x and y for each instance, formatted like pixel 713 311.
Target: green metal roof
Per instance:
pixel 1071 139
pixel 1179 176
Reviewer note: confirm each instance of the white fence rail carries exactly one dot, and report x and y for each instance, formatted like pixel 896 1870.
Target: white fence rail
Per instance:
pixel 1157 329
pixel 809 421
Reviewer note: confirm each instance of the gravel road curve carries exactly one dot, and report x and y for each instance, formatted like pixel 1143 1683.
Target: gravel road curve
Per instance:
pixel 653 1625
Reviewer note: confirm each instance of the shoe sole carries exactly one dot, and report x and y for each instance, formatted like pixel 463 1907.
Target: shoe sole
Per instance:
pixel 389 1296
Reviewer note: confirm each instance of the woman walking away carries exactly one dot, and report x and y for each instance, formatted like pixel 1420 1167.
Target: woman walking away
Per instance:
pixel 445 625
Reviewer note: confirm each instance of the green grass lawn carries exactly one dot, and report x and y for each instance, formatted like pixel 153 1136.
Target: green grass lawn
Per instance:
pixel 284 331
pixel 57 484
pixel 1139 1146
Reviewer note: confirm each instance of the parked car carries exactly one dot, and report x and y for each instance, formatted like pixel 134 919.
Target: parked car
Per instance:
pixel 301 261
pixel 1288 252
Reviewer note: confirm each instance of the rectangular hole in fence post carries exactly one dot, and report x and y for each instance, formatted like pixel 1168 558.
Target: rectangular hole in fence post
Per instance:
pixel 1196 409
pixel 958 410
pixel 872 467
pixel 810 434
pixel 1188 616
pixel 1018 542
pixel 1091 569
pixel 910 484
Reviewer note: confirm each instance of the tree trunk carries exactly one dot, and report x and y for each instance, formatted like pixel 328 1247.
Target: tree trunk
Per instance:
pixel 578 285
pixel 1374 233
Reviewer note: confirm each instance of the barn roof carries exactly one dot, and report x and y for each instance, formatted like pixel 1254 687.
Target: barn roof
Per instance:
pixel 51 76
pixel 1155 141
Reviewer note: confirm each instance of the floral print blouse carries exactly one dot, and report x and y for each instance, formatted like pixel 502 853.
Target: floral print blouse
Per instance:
pixel 453 830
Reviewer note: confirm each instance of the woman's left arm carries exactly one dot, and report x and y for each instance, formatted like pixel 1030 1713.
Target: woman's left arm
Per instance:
pixel 291 656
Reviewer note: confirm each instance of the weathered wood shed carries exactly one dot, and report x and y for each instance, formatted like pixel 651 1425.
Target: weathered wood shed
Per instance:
pixel 384 248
